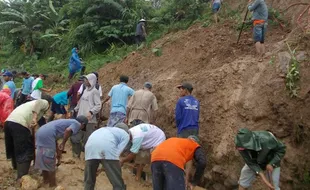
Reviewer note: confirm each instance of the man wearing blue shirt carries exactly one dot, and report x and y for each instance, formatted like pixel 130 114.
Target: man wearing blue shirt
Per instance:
pixel 187 112
pixel 9 83
pixel 26 88
pixel 105 146
pixel 119 95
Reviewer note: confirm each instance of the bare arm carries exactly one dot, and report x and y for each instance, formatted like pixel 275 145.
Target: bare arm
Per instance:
pixel 106 99
pixel 128 158
pixel 46 90
pixel 68 133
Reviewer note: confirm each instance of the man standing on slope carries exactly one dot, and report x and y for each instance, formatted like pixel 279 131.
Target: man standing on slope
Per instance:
pixel 260 17
pixel 119 95
pixel 187 112
pixel 37 87
pixel 140 32
pixel 88 106
pixel 144 138
pixel 142 105
pixel 75 64
pixel 260 151
pixel 168 160
pixel 104 146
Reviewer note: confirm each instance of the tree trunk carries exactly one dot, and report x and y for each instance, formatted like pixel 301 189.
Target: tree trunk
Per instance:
pixel 31 44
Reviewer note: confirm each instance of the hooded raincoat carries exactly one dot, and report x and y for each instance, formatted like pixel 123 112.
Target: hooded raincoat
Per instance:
pixel 90 100
pixel 6 105
pixel 75 62
pixel 259 148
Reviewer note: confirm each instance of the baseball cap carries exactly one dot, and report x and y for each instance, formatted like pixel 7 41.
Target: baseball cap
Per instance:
pixel 8 73
pixel 122 126
pixel 142 20
pixel 148 85
pixel 186 85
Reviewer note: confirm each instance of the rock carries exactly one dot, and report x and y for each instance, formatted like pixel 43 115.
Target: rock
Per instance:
pixel 231 182
pixel 284 62
pixel 59 188
pixel 218 186
pixel 301 56
pixel 217 169
pixel 29 183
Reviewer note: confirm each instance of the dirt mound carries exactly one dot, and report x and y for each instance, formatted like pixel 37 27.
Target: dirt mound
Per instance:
pixel 234 90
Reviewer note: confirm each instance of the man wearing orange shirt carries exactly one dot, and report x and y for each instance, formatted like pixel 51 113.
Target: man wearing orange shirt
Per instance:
pixel 168 160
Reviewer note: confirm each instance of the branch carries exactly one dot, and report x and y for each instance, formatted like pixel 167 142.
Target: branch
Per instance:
pixel 294 4
pixel 300 16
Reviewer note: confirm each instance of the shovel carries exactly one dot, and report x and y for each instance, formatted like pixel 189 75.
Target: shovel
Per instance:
pixel 246 15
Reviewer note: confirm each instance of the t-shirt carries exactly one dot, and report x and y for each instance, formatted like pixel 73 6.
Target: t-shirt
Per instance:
pixel 47 135
pixel 187 113
pixel 119 94
pixel 106 143
pixel 61 98
pixel 175 150
pixel 82 87
pixel 141 105
pixel 23 113
pixel 27 85
pixel 37 84
pixel 10 85
pixel 145 136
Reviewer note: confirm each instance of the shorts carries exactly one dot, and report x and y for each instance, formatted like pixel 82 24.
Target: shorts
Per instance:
pixel 143 157
pixel 57 108
pixel 216 7
pixel 45 159
pixel 247 177
pixel 259 32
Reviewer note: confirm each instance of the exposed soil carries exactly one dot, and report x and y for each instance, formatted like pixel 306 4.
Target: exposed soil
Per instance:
pixel 235 90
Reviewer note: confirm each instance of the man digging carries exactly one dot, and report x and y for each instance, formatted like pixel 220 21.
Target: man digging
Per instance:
pixel 47 146
pixel 261 151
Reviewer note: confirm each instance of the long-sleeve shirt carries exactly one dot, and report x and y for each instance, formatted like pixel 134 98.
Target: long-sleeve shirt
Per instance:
pixel 106 143
pixel 187 113
pixel 73 92
pixel 201 163
pixel 260 10
pixel 272 151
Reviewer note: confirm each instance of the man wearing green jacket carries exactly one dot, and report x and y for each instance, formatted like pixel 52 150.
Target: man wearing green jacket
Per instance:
pixel 260 151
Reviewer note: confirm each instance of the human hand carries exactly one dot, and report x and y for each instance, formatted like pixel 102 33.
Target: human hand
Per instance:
pixel 61 147
pixel 89 116
pixel 33 124
pixel 270 186
pixel 190 186
pixel 269 168
pixel 121 162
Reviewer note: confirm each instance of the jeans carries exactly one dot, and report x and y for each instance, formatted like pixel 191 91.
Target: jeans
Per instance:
pixel 185 133
pixel 112 169
pixel 167 176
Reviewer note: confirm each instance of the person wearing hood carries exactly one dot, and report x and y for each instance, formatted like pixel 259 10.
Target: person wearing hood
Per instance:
pixel 140 32
pixel 19 130
pixel 75 64
pixel 98 87
pixel 89 105
pixel 47 147
pixel 6 105
pixel 261 151
pixel 104 147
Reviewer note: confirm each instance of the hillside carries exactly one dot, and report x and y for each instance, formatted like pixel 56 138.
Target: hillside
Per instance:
pixel 234 90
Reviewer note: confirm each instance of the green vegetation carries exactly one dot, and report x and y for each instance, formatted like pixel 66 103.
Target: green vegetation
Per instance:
pixel 38 35
pixel 292 76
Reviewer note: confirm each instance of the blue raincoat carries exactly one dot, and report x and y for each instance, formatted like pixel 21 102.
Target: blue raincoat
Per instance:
pixel 75 62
